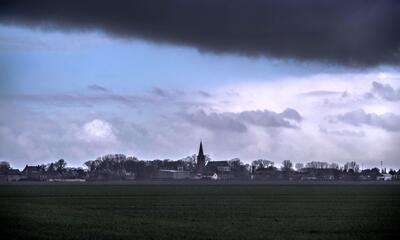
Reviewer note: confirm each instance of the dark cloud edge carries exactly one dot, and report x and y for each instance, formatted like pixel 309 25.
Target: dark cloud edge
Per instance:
pixel 361 33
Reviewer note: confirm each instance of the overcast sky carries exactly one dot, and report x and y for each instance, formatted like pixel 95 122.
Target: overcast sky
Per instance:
pixel 310 81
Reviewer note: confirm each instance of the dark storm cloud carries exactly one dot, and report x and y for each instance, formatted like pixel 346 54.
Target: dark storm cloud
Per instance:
pixel 355 33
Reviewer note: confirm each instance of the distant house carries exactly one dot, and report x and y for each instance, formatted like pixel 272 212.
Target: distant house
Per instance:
pixel 34 173
pixel 384 177
pixel 14 175
pixel 172 174
pixel 221 168
pixel 211 176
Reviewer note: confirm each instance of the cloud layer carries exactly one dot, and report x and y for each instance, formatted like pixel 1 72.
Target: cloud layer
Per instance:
pixel 237 121
pixel 315 118
pixel 388 121
pixel 356 33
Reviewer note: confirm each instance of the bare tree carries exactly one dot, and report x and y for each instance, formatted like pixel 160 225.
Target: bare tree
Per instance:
pixel 287 166
pixel 334 166
pixel 317 165
pixel 299 166
pixel 262 163
pixel 60 165
pixel 351 166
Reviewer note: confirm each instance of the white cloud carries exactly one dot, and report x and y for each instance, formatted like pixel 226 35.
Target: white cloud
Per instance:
pixel 97 130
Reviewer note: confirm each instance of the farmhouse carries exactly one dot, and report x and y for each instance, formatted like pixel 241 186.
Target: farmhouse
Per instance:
pixel 384 177
pixel 34 173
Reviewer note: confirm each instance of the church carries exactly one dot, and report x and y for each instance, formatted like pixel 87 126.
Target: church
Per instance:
pixel 210 168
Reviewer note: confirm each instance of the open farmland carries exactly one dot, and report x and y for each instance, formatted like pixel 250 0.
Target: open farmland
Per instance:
pixel 200 211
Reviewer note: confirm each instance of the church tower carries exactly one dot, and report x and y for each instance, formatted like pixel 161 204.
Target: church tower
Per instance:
pixel 201 158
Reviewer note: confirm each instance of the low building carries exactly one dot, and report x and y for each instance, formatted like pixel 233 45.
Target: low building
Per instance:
pixel 14 175
pixel 172 174
pixel 212 176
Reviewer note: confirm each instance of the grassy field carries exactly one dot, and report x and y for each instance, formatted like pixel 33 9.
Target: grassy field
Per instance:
pixel 200 211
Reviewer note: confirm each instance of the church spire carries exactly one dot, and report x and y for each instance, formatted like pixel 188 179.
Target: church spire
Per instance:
pixel 201 153
pixel 201 158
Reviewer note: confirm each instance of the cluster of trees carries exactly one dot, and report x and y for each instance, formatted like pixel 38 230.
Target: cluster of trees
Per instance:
pixel 320 170
pixel 4 167
pixel 118 166
pixel 287 165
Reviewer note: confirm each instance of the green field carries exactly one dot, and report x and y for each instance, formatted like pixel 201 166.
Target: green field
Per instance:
pixel 200 211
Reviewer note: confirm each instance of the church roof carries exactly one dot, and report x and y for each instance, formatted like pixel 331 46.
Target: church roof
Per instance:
pixel 214 164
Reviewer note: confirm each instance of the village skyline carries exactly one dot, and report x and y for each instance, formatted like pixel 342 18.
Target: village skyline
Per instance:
pixel 379 164
pixel 195 167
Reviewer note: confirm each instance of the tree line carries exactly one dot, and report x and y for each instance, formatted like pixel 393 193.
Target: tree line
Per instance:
pixel 120 166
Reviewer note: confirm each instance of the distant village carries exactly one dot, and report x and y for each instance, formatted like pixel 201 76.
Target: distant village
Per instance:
pixel 196 167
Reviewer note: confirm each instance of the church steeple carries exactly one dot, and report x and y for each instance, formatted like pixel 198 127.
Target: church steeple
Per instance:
pixel 201 153
pixel 201 158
